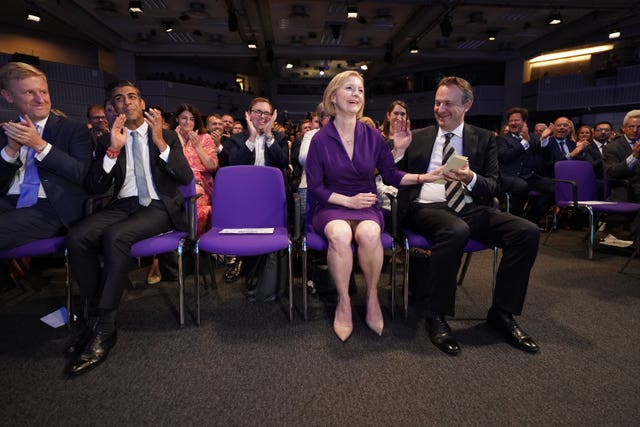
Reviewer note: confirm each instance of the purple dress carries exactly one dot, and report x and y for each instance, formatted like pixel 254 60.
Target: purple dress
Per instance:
pixel 330 170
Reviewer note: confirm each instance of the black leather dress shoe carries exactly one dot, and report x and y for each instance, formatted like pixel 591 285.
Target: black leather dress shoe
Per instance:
pixel 95 352
pixel 504 323
pixel 79 342
pixel 440 335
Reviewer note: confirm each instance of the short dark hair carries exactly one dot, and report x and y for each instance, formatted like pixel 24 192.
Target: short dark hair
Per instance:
pixel 603 122
pixel 122 83
pixel 524 113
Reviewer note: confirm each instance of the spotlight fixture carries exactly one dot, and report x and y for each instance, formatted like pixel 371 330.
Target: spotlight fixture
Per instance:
pixel 135 6
pixel 32 15
pixel 364 67
pixel 252 44
pixel 321 72
pixel 168 26
pixel 352 12
pixel 414 48
pixel 615 34
pixel 289 66
pixel 554 18
pixel 445 26
pixel 491 35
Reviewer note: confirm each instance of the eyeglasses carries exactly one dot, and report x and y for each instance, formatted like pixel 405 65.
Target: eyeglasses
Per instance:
pixel 261 113
pixel 632 127
pixel 603 130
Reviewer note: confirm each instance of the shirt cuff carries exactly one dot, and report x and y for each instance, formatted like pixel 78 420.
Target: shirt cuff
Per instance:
pixel 41 155
pixel 544 142
pixel 472 182
pixel 7 158
pixel 165 154
pixel 270 141
pixel 631 161
pixel 250 145
pixel 108 164
pixel 525 144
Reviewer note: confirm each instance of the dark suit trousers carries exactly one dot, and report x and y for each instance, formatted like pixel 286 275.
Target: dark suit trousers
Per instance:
pixel 448 233
pixel 19 226
pixel 518 189
pixel 110 233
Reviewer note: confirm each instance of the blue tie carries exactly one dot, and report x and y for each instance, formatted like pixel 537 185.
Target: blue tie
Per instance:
pixel 31 181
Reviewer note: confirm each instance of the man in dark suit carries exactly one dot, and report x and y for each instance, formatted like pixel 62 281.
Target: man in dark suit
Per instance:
pixel 620 158
pixel 43 161
pixel 448 222
pixel 557 145
pixel 258 145
pixel 145 165
pixel 521 167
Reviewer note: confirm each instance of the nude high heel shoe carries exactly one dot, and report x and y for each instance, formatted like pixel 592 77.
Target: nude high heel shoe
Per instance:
pixel 343 332
pixel 375 324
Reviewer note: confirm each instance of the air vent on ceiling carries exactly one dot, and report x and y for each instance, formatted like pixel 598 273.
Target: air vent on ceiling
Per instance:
pixel 181 37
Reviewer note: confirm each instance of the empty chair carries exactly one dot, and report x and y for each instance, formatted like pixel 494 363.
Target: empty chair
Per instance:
pixel 247 197
pixel 576 188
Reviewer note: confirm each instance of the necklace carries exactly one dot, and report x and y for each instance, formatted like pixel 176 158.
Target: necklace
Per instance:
pixel 345 140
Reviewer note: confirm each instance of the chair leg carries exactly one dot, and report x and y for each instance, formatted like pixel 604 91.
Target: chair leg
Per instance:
pixel 196 252
pixel 405 284
pixel 463 270
pixel 305 278
pixel 180 285
pixel 633 255
pixel 393 280
pixel 67 284
pixel 592 234
pixel 290 277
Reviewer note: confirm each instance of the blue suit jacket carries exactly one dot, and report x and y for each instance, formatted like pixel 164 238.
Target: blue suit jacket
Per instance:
pixel 62 171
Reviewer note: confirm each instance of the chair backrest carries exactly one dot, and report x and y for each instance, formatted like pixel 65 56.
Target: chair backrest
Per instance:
pixel 188 190
pixel 582 173
pixel 249 197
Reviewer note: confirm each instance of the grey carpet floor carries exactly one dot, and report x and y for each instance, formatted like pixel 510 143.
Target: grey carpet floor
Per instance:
pixel 247 365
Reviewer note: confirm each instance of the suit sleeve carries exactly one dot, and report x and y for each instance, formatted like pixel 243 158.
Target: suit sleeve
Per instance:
pixel 278 153
pixel 177 165
pixel 72 164
pixel 615 162
pixel 486 167
pixel 508 152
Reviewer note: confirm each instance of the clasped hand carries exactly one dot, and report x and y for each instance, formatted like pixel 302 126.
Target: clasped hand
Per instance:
pixel 362 200
pixel 22 133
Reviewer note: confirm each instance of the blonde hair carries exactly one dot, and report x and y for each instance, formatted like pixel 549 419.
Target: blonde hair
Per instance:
pixel 18 71
pixel 333 86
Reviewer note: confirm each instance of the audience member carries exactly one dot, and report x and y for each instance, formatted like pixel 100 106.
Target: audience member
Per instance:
pixel 340 168
pixel 145 165
pixel 557 144
pixel 109 112
pixel 449 214
pixel 620 158
pixel 521 166
pixel 200 151
pixel 97 120
pixel 237 128
pixel 227 125
pixel 398 112
pixel 539 128
pixel 43 161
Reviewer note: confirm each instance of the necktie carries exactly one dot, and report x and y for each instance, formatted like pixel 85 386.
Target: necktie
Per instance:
pixel 516 136
pixel 138 162
pixel 565 150
pixel 453 190
pixel 31 181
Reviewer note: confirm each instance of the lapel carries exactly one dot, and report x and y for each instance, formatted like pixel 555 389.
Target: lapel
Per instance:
pixel 421 156
pixel 52 128
pixel 469 142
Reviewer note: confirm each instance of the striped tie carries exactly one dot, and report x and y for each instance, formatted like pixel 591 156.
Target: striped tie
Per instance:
pixel 454 191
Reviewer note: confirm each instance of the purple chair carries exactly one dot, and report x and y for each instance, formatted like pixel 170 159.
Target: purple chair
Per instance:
pixel 173 240
pixel 247 197
pixel 415 240
pixel 44 247
pixel 314 241
pixel 576 188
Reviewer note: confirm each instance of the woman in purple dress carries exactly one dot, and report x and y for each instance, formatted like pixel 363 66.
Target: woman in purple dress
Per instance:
pixel 340 169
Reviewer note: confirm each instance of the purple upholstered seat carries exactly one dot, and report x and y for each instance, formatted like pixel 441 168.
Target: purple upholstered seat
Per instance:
pixel 317 242
pixel 576 187
pixel 415 240
pixel 247 197
pixel 44 247
pixel 173 240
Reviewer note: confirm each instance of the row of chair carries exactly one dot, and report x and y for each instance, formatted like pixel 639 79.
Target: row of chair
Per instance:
pixel 249 199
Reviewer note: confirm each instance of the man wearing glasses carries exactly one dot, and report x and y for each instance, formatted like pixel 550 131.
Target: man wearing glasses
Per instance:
pixel 259 145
